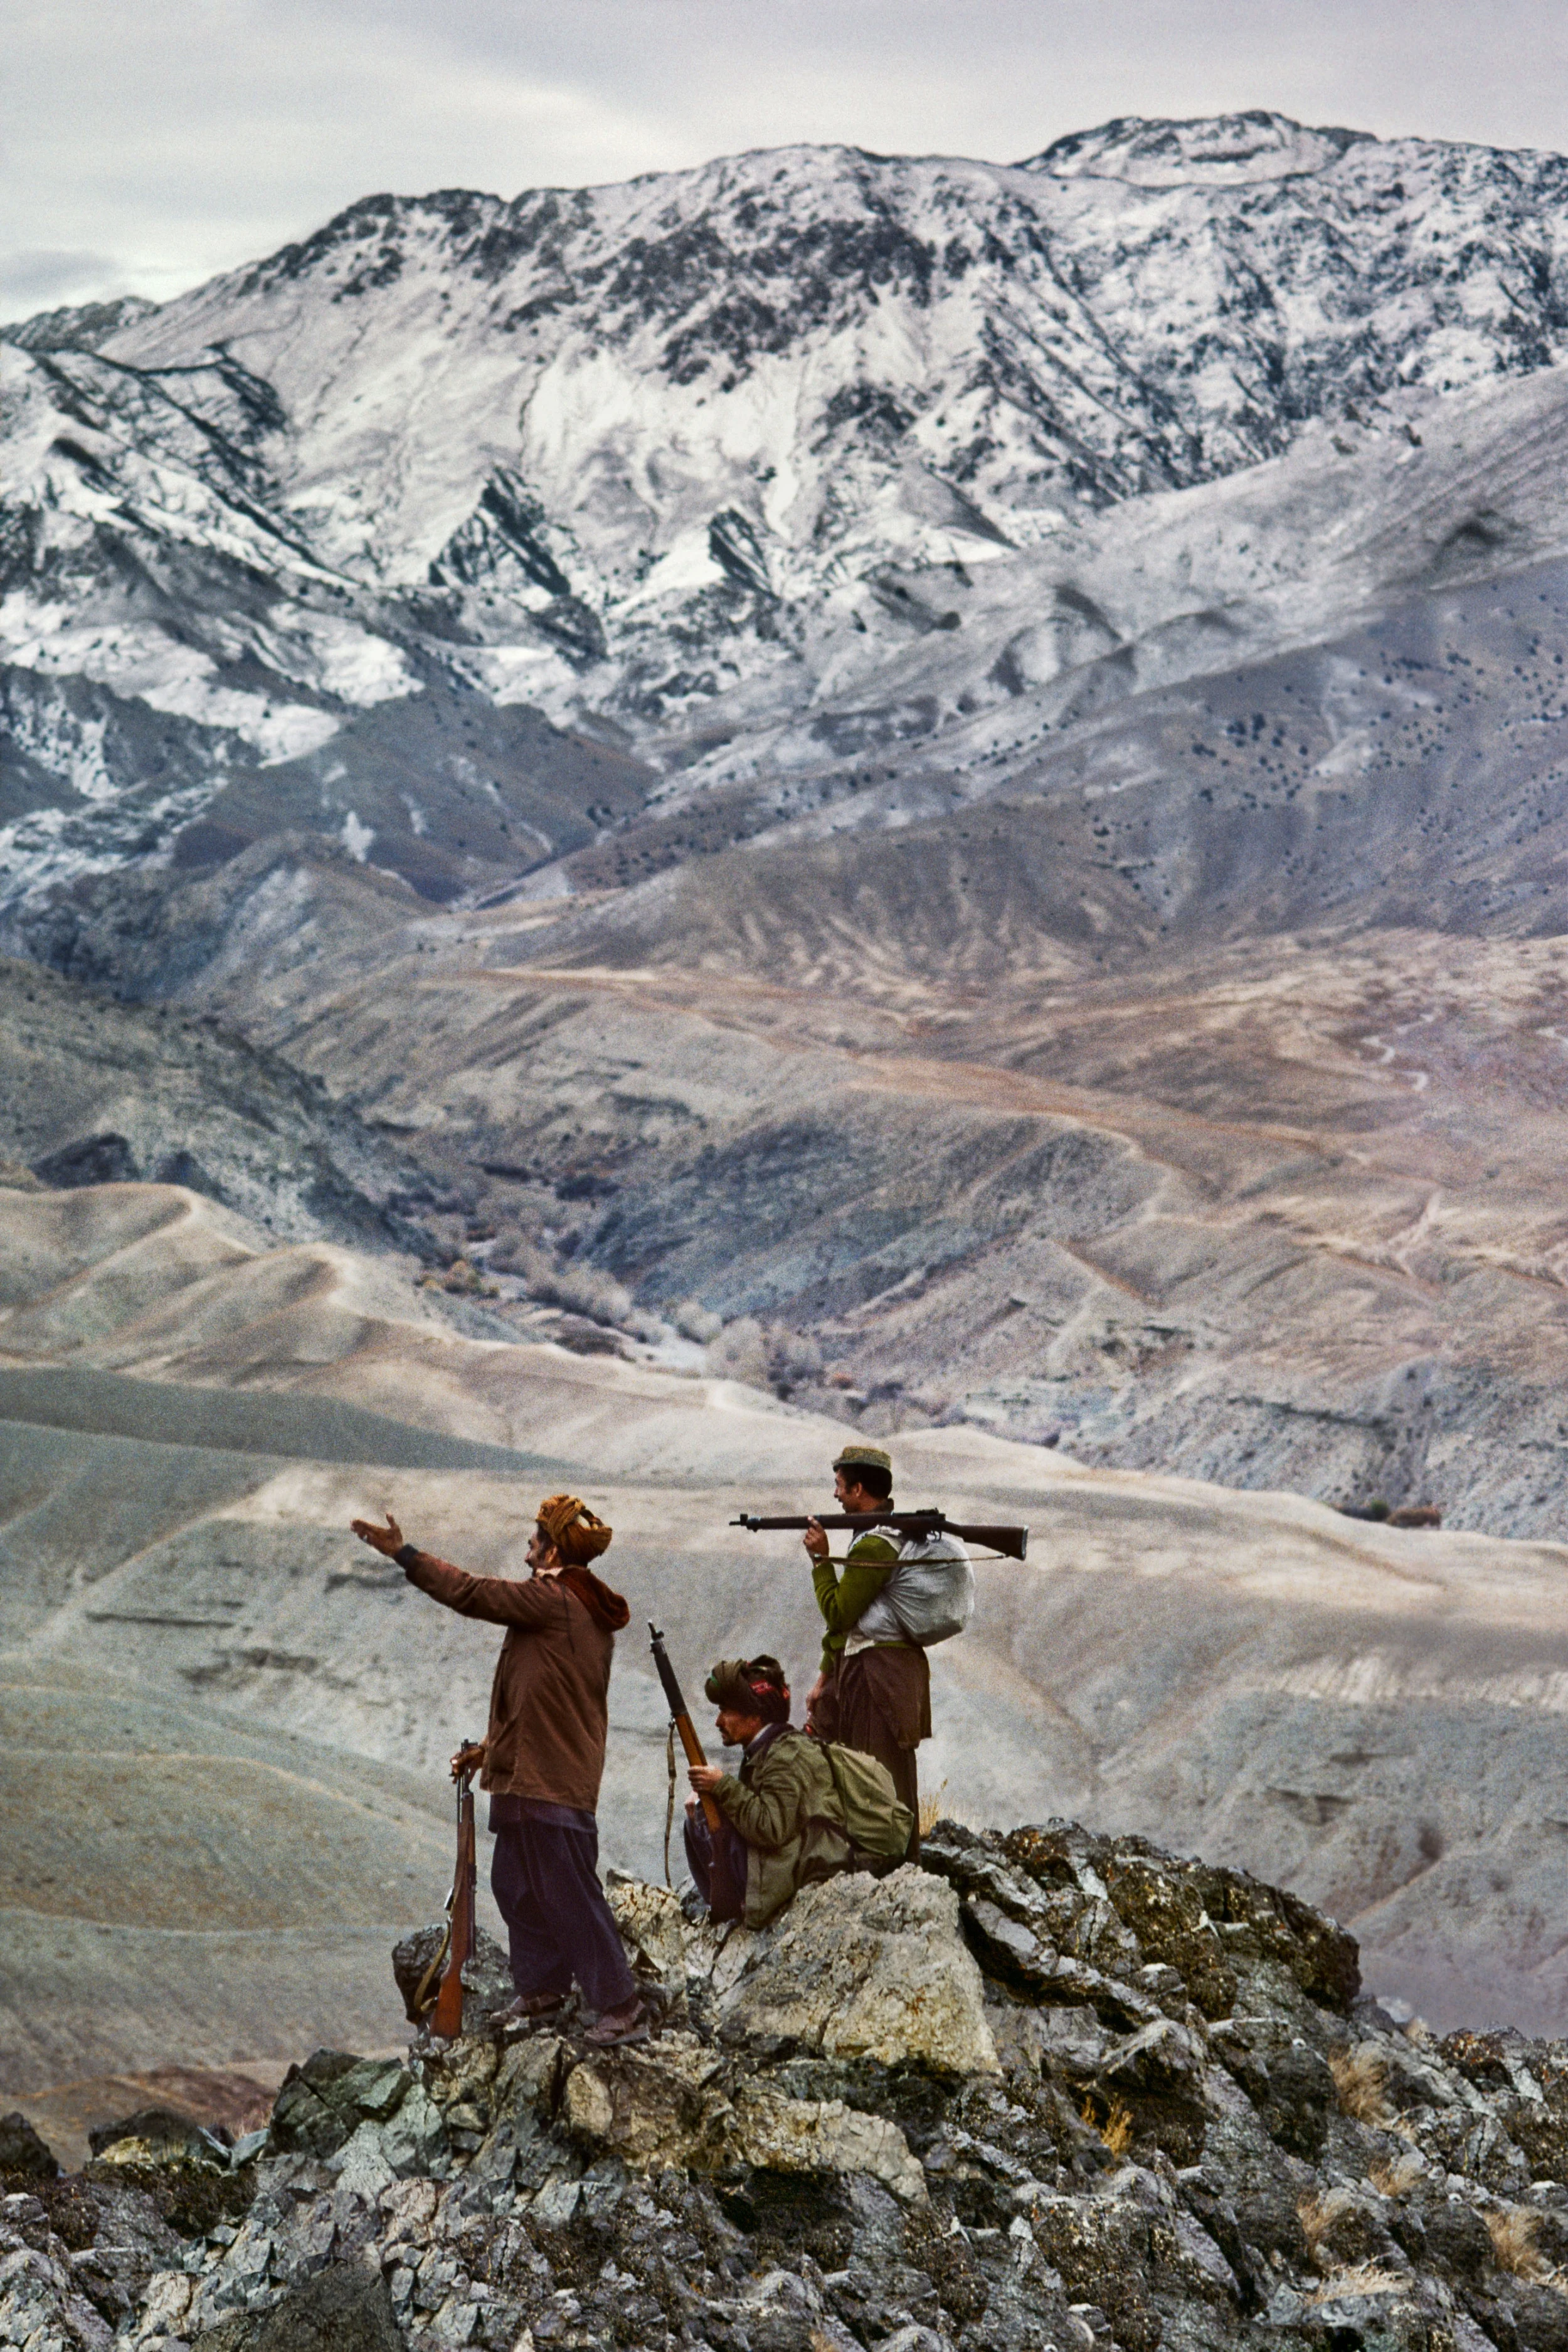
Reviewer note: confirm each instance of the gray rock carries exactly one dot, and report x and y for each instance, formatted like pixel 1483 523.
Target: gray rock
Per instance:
pixel 863 1969
pixel 345 2307
pixel 363 2165
pixel 1160 2057
pixel 414 2140
pixel 23 2154
pixel 40 2307
pixel 322 2103
pixel 652 1927
pixel 778 2134
pixel 487 1978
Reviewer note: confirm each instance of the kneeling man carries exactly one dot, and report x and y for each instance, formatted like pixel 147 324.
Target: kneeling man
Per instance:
pixel 774 1814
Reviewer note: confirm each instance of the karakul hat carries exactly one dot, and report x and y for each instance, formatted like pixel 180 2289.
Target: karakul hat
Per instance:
pixel 870 1457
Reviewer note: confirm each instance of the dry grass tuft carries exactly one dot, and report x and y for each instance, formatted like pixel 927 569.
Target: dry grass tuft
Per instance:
pixel 1361 2078
pixel 1512 2233
pixel 1317 2216
pixel 932 1809
pixel 1392 2177
pixel 1116 2131
pixel 1364 2278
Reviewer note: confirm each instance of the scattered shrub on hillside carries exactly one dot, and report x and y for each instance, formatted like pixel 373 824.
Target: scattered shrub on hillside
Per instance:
pixel 767 1356
pixel 1392 2176
pixel 450 1235
pixel 1361 2278
pixel 792 1359
pixel 1361 2079
pixel 1512 2231
pixel 580 1289
pixel 740 1354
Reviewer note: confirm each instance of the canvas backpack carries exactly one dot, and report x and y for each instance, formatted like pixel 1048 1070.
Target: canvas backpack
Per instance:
pixel 876 1828
pixel 928 1598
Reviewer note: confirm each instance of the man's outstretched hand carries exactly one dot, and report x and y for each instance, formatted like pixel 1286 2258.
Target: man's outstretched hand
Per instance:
pixel 387 1541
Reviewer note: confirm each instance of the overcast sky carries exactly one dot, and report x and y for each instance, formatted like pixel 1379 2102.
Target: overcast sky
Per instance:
pixel 146 147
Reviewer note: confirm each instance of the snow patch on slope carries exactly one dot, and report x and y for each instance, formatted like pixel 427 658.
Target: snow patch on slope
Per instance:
pixel 1227 151
pixel 802 458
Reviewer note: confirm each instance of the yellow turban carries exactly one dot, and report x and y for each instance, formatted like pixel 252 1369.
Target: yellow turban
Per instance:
pixel 577 1533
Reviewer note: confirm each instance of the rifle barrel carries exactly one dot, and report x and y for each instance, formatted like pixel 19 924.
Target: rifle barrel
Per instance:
pixel 447 2016
pixel 1012 1543
pixel 679 1716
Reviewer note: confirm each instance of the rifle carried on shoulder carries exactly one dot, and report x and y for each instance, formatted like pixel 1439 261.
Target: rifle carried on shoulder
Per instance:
pixel 686 1730
pixel 1012 1543
pixel 447 2017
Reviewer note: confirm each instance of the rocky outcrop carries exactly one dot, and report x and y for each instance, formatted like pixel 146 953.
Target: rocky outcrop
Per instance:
pixel 92 1092
pixel 417 1963
pixel 964 360
pixel 24 2156
pixel 861 1970
pixel 1048 2088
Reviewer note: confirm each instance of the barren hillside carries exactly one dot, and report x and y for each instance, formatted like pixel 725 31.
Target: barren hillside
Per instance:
pixel 645 824
pixel 1374 1715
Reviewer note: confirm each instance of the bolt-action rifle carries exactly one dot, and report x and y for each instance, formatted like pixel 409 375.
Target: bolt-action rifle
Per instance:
pixel 447 2017
pixel 684 1729
pixel 1012 1543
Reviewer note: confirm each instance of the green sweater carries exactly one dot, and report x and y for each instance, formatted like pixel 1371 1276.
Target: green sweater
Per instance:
pixel 844 1599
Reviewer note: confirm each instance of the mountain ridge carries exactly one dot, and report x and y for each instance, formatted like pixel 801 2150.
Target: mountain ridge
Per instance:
pixel 742 733
pixel 693 457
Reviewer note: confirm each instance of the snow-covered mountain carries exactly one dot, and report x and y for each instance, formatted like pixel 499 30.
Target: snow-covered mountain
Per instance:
pixel 742 471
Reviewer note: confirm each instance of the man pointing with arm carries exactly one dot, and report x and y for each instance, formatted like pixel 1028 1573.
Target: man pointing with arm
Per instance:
pixel 874 1690
pixel 542 1757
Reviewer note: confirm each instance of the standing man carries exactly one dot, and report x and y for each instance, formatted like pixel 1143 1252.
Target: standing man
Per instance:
pixel 542 1757
pixel 874 1690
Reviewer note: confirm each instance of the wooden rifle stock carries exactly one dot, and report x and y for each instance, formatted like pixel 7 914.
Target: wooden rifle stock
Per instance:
pixel 447 2017
pixel 686 1730
pixel 1012 1543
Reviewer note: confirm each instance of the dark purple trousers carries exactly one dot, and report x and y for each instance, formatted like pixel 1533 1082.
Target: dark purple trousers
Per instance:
pixel 545 1880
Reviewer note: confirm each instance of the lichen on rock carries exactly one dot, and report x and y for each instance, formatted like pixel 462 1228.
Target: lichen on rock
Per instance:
pixel 864 1969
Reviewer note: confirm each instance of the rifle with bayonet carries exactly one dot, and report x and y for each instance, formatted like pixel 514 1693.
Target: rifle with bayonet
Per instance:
pixel 1012 1543
pixel 447 2017
pixel 684 1729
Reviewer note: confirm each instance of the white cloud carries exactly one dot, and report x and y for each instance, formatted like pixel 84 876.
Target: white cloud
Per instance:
pixel 30 280
pixel 147 147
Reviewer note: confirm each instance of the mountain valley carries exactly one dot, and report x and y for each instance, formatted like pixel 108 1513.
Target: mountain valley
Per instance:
pixel 192 1411
pixel 645 825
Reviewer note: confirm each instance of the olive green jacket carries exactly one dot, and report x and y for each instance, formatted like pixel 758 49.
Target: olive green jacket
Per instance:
pixel 783 1805
pixel 844 1599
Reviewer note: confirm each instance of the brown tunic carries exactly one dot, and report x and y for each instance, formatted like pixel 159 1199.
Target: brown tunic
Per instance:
pixel 879 1702
pixel 549 1701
